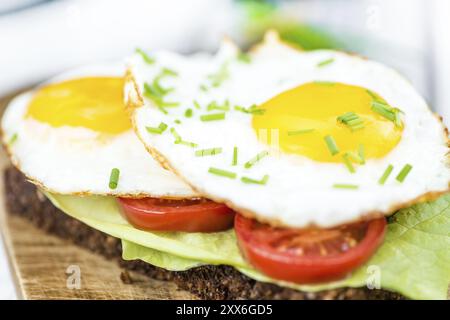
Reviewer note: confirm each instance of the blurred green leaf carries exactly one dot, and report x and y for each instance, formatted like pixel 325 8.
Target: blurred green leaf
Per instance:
pixel 264 15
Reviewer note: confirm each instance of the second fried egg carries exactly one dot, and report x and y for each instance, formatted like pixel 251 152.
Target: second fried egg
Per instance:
pixel 289 137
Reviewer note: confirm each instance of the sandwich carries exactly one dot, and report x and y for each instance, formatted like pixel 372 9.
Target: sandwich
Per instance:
pixel 272 174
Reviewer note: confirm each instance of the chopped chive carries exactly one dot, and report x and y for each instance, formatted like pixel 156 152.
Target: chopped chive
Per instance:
pixel 150 91
pixel 214 106
pixel 203 88
pixel 197 105
pixel 177 121
pixel 212 116
pixel 13 138
pixel 253 110
pixel 262 181
pixel 392 114
pixel 404 173
pixel 239 108
pixel 175 134
pixel 397 119
pixel 348 164
pixel 325 83
pixel 348 116
pixel 223 173
pixel 179 140
pixel 208 152
pixel 355 122
pixel 158 89
pixel 345 186
pixel 211 105
pixel 352 120
pixel 354 157
pixel 386 174
pixel 235 156
pixel 114 178
pixel 331 144
pixel 188 113
pixel 244 57
pixel 257 111
pixel 250 163
pixel 162 126
pixel 362 153
pixel 158 130
pixel 145 56
pixel 297 132
pixel 325 62
pixel 164 111
pixel 170 104
pixel 186 143
pixel 383 110
pixel 156 95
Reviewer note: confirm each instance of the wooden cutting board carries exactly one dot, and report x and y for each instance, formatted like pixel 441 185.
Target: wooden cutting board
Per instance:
pixel 47 267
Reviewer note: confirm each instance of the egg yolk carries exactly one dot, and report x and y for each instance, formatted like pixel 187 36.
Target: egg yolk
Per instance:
pixel 95 103
pixel 305 115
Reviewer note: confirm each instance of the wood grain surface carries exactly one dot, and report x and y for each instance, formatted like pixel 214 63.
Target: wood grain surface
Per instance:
pixel 47 267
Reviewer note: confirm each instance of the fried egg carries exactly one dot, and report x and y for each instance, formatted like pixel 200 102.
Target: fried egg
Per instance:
pixel 73 135
pixel 291 138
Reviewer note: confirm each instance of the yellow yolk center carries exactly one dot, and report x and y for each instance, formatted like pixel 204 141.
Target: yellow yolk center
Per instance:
pixel 305 115
pixel 95 103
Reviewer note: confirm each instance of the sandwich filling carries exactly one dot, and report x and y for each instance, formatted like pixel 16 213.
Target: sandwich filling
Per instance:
pixel 74 139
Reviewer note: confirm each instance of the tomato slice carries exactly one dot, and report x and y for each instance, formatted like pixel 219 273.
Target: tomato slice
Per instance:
pixel 190 215
pixel 308 255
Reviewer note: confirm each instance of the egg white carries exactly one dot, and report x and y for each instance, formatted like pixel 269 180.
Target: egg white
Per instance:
pixel 299 192
pixel 77 160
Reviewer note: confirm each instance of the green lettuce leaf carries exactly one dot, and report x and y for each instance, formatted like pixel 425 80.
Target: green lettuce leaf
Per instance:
pixel 133 251
pixel 414 259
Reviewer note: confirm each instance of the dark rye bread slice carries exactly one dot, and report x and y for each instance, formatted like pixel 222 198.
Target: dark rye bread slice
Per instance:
pixel 207 282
